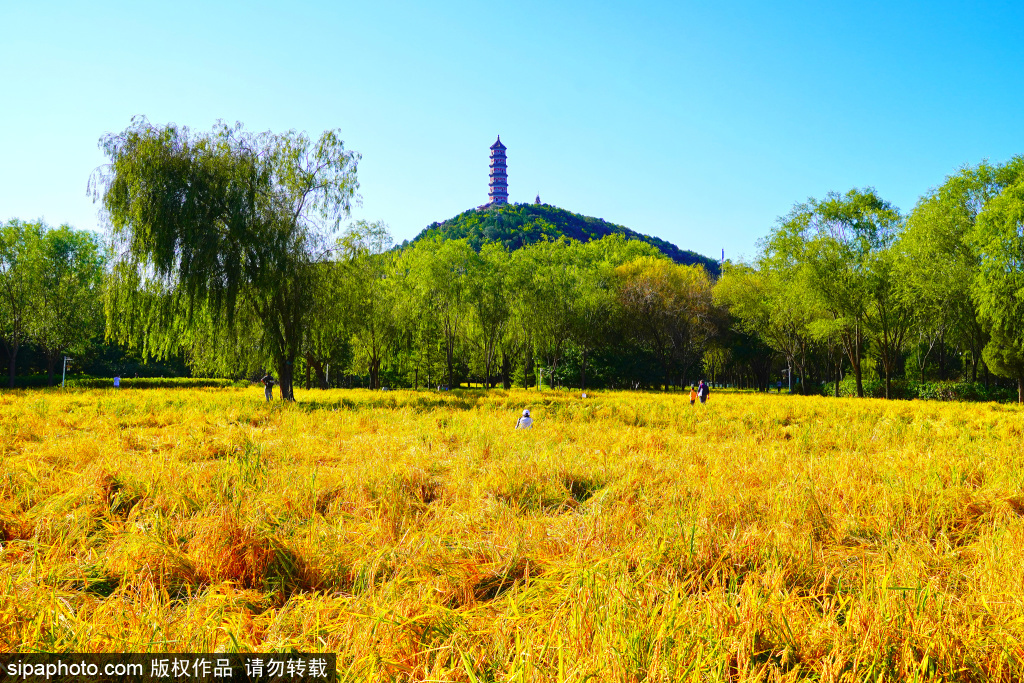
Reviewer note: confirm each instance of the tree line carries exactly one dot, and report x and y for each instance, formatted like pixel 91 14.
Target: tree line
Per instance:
pixel 51 288
pixel 230 249
pixel 849 279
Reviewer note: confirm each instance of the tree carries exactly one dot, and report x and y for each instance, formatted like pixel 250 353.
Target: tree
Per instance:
pixel 668 309
pixel 769 302
pixel 749 354
pixel 595 311
pixel 19 263
pixel 213 225
pixel 67 305
pixel 554 301
pixel 998 237
pixel 326 338
pixel 1004 357
pixel 831 242
pixel 368 293
pixel 938 263
pixel 891 317
pixel 489 302
pixel 596 315
pixel 517 342
pixel 936 267
pixel 438 272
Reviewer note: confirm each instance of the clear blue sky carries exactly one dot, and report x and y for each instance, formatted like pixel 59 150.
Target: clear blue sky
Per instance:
pixel 696 122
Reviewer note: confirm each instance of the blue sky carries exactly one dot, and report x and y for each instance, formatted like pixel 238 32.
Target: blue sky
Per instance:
pixel 700 123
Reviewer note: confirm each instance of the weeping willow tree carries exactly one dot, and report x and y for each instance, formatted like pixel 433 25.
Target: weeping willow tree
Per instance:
pixel 998 237
pixel 218 237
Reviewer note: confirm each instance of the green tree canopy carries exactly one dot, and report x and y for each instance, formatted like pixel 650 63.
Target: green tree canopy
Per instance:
pixel 999 285
pixel 67 307
pixel 829 245
pixel 668 308
pixel 20 253
pixel 937 261
pixel 224 227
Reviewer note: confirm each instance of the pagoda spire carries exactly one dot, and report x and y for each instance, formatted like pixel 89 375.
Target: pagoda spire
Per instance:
pixel 498 193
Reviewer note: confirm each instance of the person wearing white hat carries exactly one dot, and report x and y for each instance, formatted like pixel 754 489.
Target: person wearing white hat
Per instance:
pixel 524 422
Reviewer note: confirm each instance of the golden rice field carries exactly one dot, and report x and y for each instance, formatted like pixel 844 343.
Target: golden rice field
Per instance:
pixel 627 537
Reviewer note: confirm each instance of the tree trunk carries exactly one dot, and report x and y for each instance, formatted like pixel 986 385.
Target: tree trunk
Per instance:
pixel 50 362
pixel 374 373
pixel 1020 390
pixel 285 375
pixel 12 365
pixel 309 377
pixel 506 371
pixel 489 365
pixel 839 372
pixel 583 371
pixel 451 371
pixel 942 358
pixel 318 371
pixel 857 369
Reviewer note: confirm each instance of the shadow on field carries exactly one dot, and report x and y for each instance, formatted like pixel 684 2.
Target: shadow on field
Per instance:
pixel 547 493
pixel 581 487
pixel 473 584
pixel 495 584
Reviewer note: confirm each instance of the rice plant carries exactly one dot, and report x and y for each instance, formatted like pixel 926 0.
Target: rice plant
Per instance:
pixel 626 537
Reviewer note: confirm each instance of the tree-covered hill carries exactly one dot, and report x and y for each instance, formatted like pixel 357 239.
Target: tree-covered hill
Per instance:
pixel 517 225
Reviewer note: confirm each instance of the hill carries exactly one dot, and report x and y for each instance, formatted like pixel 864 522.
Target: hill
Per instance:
pixel 517 225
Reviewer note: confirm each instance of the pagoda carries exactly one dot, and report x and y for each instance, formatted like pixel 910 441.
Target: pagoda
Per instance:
pixel 498 193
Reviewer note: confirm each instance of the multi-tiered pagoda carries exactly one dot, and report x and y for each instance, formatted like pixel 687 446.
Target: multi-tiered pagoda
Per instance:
pixel 499 175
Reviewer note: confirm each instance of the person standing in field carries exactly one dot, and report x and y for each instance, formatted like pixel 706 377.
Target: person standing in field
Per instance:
pixel 117 381
pixel 693 394
pixel 703 391
pixel 268 386
pixel 524 422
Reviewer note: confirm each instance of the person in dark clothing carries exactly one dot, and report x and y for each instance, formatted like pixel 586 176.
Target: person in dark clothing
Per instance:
pixel 703 391
pixel 268 386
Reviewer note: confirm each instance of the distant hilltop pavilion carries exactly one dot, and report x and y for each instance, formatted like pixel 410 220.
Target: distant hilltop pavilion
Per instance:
pixel 498 193
pixel 498 187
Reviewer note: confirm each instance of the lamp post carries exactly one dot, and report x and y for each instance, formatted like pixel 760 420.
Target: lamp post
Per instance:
pixel 64 371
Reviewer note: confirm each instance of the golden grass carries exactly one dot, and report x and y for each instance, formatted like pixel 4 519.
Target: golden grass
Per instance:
pixel 627 537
